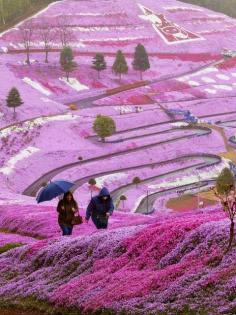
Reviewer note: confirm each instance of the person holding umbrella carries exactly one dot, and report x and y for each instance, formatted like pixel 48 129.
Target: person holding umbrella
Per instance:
pixel 100 209
pixel 67 207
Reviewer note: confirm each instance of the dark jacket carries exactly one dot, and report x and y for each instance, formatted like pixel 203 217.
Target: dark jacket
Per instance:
pixel 97 206
pixel 66 214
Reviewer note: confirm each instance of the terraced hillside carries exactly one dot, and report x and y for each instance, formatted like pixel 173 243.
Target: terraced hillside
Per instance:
pixel 164 250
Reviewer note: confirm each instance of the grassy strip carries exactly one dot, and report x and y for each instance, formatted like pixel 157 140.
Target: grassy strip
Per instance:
pixel 7 247
pixel 16 232
pixel 32 306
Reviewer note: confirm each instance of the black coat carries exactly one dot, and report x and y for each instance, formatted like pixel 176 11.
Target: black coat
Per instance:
pixel 66 214
pixel 97 206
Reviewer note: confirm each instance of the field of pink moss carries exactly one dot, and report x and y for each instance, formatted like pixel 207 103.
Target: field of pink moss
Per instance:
pixel 159 267
pixel 144 264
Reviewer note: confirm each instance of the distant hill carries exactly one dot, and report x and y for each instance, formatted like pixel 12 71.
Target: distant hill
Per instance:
pixel 224 6
pixel 13 11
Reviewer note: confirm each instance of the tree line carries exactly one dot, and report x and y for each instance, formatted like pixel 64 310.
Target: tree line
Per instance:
pixel 120 67
pixel 225 6
pixel 10 10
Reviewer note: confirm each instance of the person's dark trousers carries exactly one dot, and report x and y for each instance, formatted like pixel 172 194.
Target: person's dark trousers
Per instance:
pixel 66 230
pixel 100 222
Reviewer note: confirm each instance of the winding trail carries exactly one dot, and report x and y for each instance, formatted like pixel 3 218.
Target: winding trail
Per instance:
pixel 34 187
pixel 85 179
pixel 148 202
pixel 210 161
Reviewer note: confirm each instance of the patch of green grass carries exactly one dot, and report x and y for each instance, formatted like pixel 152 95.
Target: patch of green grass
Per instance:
pixel 9 246
pixel 15 231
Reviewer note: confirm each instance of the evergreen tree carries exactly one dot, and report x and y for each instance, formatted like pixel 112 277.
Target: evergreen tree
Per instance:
pixel 141 60
pixel 104 126
pixel 14 99
pixel 120 65
pixel 67 61
pixel 99 63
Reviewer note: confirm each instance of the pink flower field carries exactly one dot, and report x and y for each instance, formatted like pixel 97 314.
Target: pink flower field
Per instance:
pixel 162 253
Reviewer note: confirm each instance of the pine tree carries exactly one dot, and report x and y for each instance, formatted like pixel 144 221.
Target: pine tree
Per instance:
pixel 104 126
pixel 67 61
pixel 14 99
pixel 120 65
pixel 99 63
pixel 141 60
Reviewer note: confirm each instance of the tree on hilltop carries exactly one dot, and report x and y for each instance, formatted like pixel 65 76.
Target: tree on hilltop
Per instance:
pixel 120 65
pixel 14 99
pixel 99 63
pixel 67 61
pixel 141 60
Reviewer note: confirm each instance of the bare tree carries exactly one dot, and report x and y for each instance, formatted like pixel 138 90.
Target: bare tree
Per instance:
pixel 64 31
pixel 47 35
pixel 226 193
pixel 229 206
pixel 27 30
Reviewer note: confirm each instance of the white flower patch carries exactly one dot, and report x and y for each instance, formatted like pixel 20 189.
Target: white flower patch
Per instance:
pixel 179 124
pixel 183 8
pixel 194 178
pixel 48 100
pixel 4 49
pixel 211 91
pixel 223 77
pixel 233 74
pixel 197 73
pixel 123 109
pixel 115 39
pixel 31 124
pixel 23 154
pixel 193 83
pixel 223 87
pixel 25 62
pixel 109 179
pixel 208 80
pixel 74 84
pixel 36 85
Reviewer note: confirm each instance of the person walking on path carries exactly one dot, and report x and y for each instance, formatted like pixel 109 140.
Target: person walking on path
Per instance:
pixel 100 209
pixel 67 207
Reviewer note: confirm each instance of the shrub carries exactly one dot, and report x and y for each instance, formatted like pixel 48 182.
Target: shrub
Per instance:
pixel 104 126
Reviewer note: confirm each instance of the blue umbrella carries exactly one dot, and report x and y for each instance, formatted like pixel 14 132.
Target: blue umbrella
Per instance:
pixel 53 190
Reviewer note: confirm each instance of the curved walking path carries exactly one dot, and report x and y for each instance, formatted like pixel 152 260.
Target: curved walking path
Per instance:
pixel 214 161
pixel 85 179
pixel 200 131
pixel 151 199
pixel 34 187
